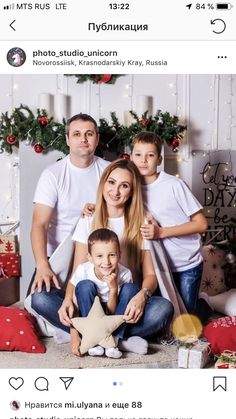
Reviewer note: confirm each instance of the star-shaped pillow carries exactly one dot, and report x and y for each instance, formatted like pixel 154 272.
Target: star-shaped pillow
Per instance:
pixel 97 328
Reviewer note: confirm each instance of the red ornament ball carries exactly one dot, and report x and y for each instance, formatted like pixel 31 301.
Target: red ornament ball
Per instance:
pixel 43 120
pixel 143 122
pixel 125 156
pixel 11 139
pixel 105 78
pixel 175 143
pixel 38 148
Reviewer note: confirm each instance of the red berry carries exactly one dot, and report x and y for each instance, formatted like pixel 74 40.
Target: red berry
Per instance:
pixel 105 78
pixel 43 120
pixel 125 156
pixel 11 139
pixel 143 122
pixel 38 148
pixel 175 143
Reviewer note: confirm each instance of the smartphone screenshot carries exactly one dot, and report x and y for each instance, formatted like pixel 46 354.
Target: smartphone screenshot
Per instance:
pixel 117 209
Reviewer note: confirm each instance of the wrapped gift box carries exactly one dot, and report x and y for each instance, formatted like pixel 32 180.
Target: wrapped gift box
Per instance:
pixel 226 360
pixel 8 244
pixel 183 355
pixel 195 356
pixel 9 265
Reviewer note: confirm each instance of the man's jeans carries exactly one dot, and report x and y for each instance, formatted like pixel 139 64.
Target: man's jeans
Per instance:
pixel 47 304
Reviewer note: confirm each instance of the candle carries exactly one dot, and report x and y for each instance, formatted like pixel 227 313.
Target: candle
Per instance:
pixel 60 107
pixel 45 102
pixel 143 104
pixel 128 118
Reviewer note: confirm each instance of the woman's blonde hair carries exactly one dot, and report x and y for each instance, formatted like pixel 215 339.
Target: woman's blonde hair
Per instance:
pixel 134 213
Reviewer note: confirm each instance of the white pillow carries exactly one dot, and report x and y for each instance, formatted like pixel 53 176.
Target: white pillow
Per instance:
pixel 225 302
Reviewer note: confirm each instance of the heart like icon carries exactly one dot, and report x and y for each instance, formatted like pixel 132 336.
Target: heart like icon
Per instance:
pixel 16 382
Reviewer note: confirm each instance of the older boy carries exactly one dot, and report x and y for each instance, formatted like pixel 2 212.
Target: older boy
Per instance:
pixel 178 213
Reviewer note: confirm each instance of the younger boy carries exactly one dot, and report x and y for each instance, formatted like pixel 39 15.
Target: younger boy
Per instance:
pixel 102 275
pixel 179 217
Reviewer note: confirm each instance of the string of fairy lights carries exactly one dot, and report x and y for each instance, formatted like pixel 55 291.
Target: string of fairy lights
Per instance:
pixel 213 148
pixel 9 212
pixel 182 111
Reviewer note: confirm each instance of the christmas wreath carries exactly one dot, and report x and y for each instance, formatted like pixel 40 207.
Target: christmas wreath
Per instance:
pixel 44 134
pixel 96 78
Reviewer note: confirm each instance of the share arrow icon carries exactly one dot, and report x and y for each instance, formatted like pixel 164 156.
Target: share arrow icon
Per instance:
pixel 189 5
pixel 67 381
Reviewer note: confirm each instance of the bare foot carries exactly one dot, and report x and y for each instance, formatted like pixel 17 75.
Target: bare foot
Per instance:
pixel 75 342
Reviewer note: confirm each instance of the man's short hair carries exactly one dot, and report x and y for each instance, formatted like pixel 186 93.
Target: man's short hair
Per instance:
pixel 103 235
pixel 147 137
pixel 82 117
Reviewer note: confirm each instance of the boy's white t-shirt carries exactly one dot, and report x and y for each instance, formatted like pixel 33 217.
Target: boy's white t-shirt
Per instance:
pixel 86 271
pixel 67 189
pixel 171 203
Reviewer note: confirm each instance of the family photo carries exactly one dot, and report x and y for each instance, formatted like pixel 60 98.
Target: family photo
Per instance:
pixel 117 221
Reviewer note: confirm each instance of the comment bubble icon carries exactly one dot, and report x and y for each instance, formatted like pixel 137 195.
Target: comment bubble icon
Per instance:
pixel 41 384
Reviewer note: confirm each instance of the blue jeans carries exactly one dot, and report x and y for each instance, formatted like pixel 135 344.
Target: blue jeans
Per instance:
pixel 157 314
pixel 47 305
pixel 188 284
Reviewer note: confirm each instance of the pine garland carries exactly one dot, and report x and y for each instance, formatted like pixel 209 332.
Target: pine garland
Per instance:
pixel 40 131
pixel 114 136
pixel 44 134
pixel 96 78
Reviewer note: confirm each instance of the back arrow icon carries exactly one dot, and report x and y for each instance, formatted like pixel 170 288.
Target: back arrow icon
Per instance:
pixel 12 24
pixel 213 22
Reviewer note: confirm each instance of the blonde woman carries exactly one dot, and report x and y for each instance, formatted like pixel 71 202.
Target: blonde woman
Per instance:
pixel 119 207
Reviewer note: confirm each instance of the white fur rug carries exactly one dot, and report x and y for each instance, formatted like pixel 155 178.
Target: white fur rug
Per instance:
pixel 59 356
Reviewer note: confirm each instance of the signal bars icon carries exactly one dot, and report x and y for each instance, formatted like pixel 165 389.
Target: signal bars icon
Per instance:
pixel 8 7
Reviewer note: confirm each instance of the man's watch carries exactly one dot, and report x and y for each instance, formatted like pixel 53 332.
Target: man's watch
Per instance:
pixel 148 292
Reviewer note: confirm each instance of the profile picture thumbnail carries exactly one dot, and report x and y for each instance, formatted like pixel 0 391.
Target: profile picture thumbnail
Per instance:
pixel 15 405
pixel 16 57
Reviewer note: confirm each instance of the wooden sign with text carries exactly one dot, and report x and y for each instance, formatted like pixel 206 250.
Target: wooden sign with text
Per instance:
pixel 214 185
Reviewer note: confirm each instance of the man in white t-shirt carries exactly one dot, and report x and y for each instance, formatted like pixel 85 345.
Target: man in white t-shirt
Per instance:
pixel 62 191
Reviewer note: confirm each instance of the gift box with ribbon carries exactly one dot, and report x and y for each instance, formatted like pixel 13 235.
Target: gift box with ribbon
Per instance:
pixel 8 243
pixel 9 265
pixel 194 355
pixel 226 360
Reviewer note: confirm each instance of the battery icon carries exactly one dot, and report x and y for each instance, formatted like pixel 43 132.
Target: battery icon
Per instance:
pixel 224 6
